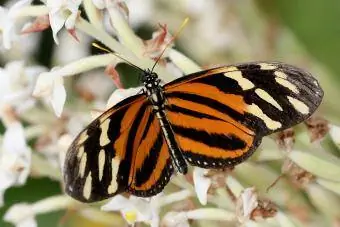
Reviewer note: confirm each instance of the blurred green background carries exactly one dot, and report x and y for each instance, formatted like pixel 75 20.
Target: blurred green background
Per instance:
pixel 294 31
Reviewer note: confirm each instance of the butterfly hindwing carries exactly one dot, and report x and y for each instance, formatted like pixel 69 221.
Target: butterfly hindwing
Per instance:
pixel 152 166
pixel 102 160
pixel 220 115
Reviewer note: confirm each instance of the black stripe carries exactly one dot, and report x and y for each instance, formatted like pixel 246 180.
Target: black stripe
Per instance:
pixel 145 172
pixel 223 141
pixel 221 82
pixel 192 113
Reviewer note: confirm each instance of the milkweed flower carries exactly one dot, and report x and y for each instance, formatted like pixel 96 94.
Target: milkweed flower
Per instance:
pixel 15 158
pixel 63 13
pixel 51 86
pixel 17 82
pixel 8 22
pixel 135 209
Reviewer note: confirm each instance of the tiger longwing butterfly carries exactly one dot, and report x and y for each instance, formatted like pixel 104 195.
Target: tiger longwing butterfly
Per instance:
pixel 212 119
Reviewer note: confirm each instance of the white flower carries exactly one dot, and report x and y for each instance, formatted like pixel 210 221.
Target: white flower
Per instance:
pixel 140 11
pixel 51 86
pixel 181 219
pixel 246 203
pixel 8 21
pixel 16 86
pixel 62 12
pixel 21 215
pixel 121 94
pixel 100 4
pixel 15 158
pixel 202 184
pixel 135 209
pixel 176 219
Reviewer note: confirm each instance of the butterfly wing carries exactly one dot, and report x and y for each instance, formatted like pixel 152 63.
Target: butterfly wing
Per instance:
pixel 152 167
pixel 220 115
pixel 110 156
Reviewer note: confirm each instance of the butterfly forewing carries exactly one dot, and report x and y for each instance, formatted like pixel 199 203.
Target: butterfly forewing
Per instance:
pixel 111 154
pixel 220 115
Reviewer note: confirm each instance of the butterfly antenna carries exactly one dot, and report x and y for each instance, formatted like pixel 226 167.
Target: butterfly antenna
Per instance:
pixel 96 45
pixel 184 23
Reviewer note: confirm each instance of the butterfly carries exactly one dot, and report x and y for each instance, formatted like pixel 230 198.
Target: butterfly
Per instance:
pixel 211 119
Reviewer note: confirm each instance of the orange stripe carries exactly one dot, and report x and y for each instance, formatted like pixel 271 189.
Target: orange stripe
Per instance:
pixel 157 172
pixel 210 126
pixel 130 115
pixel 235 102
pixel 141 128
pixel 207 110
pixel 125 127
pixel 146 144
pixel 112 110
pixel 213 152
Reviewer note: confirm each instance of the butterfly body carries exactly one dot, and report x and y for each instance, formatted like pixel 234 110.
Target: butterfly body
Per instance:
pixel 155 94
pixel 212 119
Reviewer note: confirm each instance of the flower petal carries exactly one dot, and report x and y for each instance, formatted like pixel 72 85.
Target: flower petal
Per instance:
pixel 120 94
pixel 118 202
pixel 58 97
pixel 57 21
pixel 44 85
pixel 202 184
pixel 21 215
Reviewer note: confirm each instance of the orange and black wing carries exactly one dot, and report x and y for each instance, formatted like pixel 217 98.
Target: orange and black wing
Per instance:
pixel 122 150
pixel 220 115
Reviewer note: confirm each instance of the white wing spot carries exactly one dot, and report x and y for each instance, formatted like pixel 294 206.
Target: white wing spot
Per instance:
pixel 281 79
pixel 280 74
pixel 80 152
pixel 101 163
pixel 268 98
pixel 256 111
pixel 104 139
pixel 267 66
pixel 114 168
pixel 87 186
pixel 82 165
pixel 244 83
pixel 298 105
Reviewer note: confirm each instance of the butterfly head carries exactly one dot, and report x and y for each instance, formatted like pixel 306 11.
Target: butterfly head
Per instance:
pixel 150 79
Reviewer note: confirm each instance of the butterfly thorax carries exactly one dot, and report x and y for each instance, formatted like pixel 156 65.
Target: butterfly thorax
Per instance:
pixel 153 89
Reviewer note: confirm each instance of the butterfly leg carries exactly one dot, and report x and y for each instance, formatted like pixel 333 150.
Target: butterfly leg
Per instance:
pixel 175 151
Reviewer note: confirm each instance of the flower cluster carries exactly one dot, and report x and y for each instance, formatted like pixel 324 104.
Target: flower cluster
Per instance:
pixel 35 99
